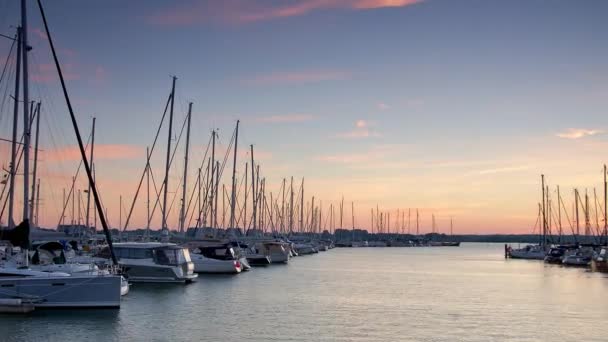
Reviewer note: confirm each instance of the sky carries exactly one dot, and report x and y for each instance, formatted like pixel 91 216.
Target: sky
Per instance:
pixel 452 107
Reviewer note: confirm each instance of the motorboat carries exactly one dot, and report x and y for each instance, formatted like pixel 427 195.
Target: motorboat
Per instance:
pixel 275 249
pixel 305 248
pixel 153 262
pixel 580 257
pixel 530 252
pixel 215 259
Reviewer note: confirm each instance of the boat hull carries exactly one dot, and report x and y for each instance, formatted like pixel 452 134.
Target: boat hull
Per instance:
pixel 203 264
pixel 79 291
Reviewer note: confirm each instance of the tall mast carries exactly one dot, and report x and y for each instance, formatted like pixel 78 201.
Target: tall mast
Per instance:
pixel 233 195
pixel 199 207
pixel 37 203
pixel 26 114
pixel 302 208
pixel 33 201
pixel 559 213
pixel 245 227
pixel 254 194
pixel 148 193
pixel 13 166
pixel 417 222
pixel 587 223
pixel 182 216
pixel 451 226
pixel 283 208
pixel 291 206
pixel 605 207
pixel 224 206
pixel 544 230
pixel 217 186
pixel 91 161
pixel 352 211
pixel 168 160
pixel 576 199
pixel 212 181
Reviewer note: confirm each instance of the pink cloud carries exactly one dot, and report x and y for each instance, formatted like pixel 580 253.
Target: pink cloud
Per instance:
pixel 249 11
pixel 362 130
pixel 295 77
pixel 102 152
pixel 285 118
pixel 47 73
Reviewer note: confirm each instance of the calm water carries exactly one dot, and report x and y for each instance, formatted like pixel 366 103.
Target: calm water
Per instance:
pixel 365 294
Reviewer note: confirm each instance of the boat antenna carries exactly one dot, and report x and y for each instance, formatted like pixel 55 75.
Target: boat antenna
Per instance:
pixel 102 217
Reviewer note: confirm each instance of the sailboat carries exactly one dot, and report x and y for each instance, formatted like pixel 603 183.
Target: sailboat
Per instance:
pixel 23 288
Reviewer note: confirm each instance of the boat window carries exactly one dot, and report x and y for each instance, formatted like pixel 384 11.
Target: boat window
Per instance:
pixel 166 256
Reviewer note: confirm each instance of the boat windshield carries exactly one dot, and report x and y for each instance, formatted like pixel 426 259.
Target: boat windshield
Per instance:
pixel 171 256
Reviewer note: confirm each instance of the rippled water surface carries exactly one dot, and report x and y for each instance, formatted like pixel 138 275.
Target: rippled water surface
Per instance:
pixel 467 293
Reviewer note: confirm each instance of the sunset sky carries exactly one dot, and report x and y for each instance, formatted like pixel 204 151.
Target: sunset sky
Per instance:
pixel 453 107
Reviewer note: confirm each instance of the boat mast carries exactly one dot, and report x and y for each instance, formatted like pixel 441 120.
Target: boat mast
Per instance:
pixel 33 201
pixel 559 213
pixel 182 216
pixel 148 193
pixel 291 206
pixel 26 113
pixel 245 227
pixel 233 196
pixel 253 192
pixel 217 189
pixel 605 207
pixel 91 161
pixel 168 160
pixel 417 223
pixel 544 230
pixel 576 199
pixel 302 207
pixel 13 166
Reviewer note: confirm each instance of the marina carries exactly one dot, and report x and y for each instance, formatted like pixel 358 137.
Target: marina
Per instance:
pixel 235 172
pixel 372 294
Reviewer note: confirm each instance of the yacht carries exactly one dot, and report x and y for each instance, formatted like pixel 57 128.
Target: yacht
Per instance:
pixel 531 252
pixel 215 259
pixel 275 249
pixel 153 262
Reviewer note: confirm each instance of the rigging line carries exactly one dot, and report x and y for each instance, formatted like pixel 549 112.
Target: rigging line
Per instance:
pixel 8 37
pixel 8 57
pixel 5 96
pixel 20 154
pixel 147 167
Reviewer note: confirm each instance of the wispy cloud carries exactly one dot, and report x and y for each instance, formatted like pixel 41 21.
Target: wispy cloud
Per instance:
pixel 504 170
pixel 285 118
pixel 383 106
pixel 295 77
pixel 251 11
pixel 362 130
pixel 102 152
pixel 577 133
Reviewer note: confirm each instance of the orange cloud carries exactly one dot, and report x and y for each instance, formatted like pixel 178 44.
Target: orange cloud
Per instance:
pixel 102 152
pixel 249 11
pixel 285 118
pixel 577 133
pixel 292 77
